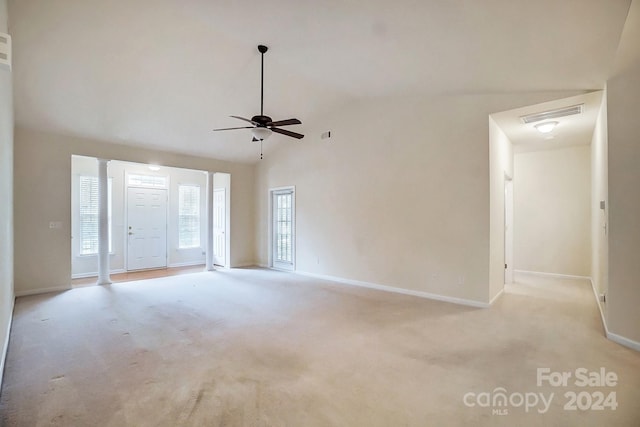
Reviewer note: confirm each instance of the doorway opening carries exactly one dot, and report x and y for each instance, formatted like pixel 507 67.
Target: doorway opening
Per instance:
pixel 221 227
pixel 157 217
pixel 541 162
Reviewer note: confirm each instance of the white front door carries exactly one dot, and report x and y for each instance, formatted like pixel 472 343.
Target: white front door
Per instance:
pixel 219 226
pixel 283 229
pixel 146 228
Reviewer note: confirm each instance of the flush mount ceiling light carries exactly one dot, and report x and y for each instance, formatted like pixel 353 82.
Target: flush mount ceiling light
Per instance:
pixel 261 133
pixel 546 127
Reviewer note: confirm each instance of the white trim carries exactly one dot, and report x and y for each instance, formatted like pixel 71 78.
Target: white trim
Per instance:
pixel 43 291
pixel 294 237
pixel 5 347
pixel 227 222
pixel 244 265
pixel 187 264
pixel 619 339
pixel 556 275
pixel 226 231
pixel 95 274
pixel 209 189
pixel 634 345
pixel 427 295
pixel 599 304
pixel 498 295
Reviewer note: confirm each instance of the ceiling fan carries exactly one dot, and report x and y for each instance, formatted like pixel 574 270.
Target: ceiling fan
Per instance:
pixel 263 126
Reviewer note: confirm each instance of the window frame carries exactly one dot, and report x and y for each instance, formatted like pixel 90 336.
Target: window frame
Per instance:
pixel 80 215
pixel 197 209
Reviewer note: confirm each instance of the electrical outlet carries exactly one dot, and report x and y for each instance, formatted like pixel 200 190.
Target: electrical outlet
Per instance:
pixel 55 224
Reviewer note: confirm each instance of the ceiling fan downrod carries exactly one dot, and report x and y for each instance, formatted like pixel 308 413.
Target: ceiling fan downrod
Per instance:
pixel 262 49
pixel 263 126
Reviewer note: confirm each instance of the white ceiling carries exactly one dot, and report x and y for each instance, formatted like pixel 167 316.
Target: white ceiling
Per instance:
pixel 162 73
pixel 571 130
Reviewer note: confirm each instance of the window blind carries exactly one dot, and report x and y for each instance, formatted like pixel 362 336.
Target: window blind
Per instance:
pixel 188 216
pixel 284 252
pixel 89 214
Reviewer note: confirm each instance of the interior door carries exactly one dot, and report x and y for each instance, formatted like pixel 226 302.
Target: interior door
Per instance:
pixel 283 229
pixel 219 226
pixel 147 228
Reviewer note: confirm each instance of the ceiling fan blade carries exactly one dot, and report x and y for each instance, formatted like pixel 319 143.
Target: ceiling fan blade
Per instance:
pixel 246 120
pixel 288 133
pixel 243 127
pixel 285 122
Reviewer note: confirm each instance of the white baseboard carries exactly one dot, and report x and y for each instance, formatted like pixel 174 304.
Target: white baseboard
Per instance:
pixel 498 295
pixel 95 274
pixel 5 347
pixel 186 264
pixel 599 304
pixel 244 265
pixel 437 297
pixel 556 275
pixel 634 345
pixel 42 291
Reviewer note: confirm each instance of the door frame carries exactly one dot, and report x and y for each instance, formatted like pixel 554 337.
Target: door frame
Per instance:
pixel 508 231
pixel 225 215
pixel 125 205
pixel 272 192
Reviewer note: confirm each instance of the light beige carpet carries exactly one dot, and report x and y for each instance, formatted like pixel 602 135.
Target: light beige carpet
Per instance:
pixel 262 348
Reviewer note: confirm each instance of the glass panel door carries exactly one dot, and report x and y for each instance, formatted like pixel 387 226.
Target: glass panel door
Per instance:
pixel 283 238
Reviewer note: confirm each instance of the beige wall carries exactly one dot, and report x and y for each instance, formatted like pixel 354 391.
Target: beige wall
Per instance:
pixel 552 211
pixel 600 192
pixel 43 188
pixel 6 197
pixel 623 95
pixel 399 196
pixel 501 163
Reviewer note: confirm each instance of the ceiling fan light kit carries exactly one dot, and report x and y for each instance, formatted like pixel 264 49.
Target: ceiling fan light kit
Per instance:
pixel 263 126
pixel 261 133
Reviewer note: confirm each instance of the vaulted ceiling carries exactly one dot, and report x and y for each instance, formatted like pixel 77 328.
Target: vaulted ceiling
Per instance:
pixel 162 73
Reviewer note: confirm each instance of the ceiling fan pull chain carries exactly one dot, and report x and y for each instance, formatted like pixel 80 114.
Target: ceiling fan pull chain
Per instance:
pixel 261 149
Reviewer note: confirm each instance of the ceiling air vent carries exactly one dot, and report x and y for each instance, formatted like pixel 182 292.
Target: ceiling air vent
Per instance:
pixel 5 51
pixel 553 114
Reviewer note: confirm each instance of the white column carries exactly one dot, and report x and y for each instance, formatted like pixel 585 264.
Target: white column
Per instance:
pixel 103 223
pixel 209 226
